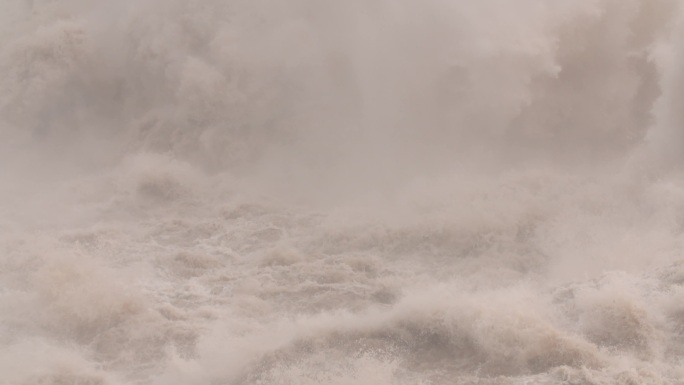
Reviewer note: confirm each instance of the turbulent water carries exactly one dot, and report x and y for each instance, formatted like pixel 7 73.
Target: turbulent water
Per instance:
pixel 235 192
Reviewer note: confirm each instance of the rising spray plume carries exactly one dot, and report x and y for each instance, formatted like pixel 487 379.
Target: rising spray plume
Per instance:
pixel 341 192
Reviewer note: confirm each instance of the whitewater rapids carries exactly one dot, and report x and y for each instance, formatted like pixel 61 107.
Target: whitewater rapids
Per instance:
pixel 238 192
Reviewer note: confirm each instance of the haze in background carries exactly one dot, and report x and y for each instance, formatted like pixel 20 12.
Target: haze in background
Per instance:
pixel 341 192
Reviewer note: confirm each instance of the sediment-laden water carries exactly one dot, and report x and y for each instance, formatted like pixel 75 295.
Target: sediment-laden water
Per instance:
pixel 341 192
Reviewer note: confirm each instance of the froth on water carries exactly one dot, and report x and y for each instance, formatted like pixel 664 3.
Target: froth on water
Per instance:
pixel 358 192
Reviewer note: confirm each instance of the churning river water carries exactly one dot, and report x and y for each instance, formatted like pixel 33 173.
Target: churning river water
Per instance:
pixel 367 192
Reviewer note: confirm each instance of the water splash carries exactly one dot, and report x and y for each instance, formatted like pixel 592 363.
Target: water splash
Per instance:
pixel 385 192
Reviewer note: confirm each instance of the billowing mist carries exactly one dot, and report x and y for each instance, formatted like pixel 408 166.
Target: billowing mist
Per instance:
pixel 205 192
